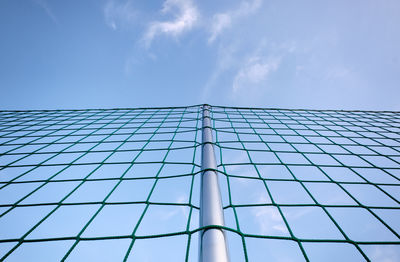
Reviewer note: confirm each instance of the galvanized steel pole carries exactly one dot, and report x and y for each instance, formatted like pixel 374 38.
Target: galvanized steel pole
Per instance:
pixel 213 247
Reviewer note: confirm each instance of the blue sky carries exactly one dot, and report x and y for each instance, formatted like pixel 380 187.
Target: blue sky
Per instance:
pixel 124 53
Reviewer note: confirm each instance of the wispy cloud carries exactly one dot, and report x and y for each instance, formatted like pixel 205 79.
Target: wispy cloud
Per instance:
pixel 255 71
pixel 337 72
pixel 269 221
pixel 118 13
pixel 177 211
pixel 219 23
pixel 385 253
pixel 182 199
pixel 245 69
pixel 222 21
pixel 226 59
pixel 185 15
pixel 46 8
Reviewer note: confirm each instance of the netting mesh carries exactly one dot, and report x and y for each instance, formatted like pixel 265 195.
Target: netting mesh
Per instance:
pixel 318 185
pixel 123 184
pixel 98 181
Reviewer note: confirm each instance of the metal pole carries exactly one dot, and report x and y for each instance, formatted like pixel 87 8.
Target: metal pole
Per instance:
pixel 213 246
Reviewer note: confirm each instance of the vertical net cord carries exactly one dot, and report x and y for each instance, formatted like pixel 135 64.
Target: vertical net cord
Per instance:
pixel 212 240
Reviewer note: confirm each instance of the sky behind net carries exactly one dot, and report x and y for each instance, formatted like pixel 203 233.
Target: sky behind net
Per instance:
pixel 124 184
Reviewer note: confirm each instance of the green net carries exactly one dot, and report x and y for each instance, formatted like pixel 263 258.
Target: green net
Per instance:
pixel 98 180
pixel 320 185
pixel 124 184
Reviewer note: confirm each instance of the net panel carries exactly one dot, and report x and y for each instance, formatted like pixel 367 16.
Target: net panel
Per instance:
pixel 310 185
pixel 96 184
pixel 123 184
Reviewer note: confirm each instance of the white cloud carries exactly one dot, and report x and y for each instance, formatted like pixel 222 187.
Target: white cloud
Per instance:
pixel 385 253
pixel 185 17
pixel 337 72
pixel 222 21
pixel 177 211
pixel 269 220
pixel 254 72
pixel 226 59
pixel 182 199
pixel 245 69
pixel 118 13
pixel 167 215
pixel 219 23
pixel 43 4
pixel 247 8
